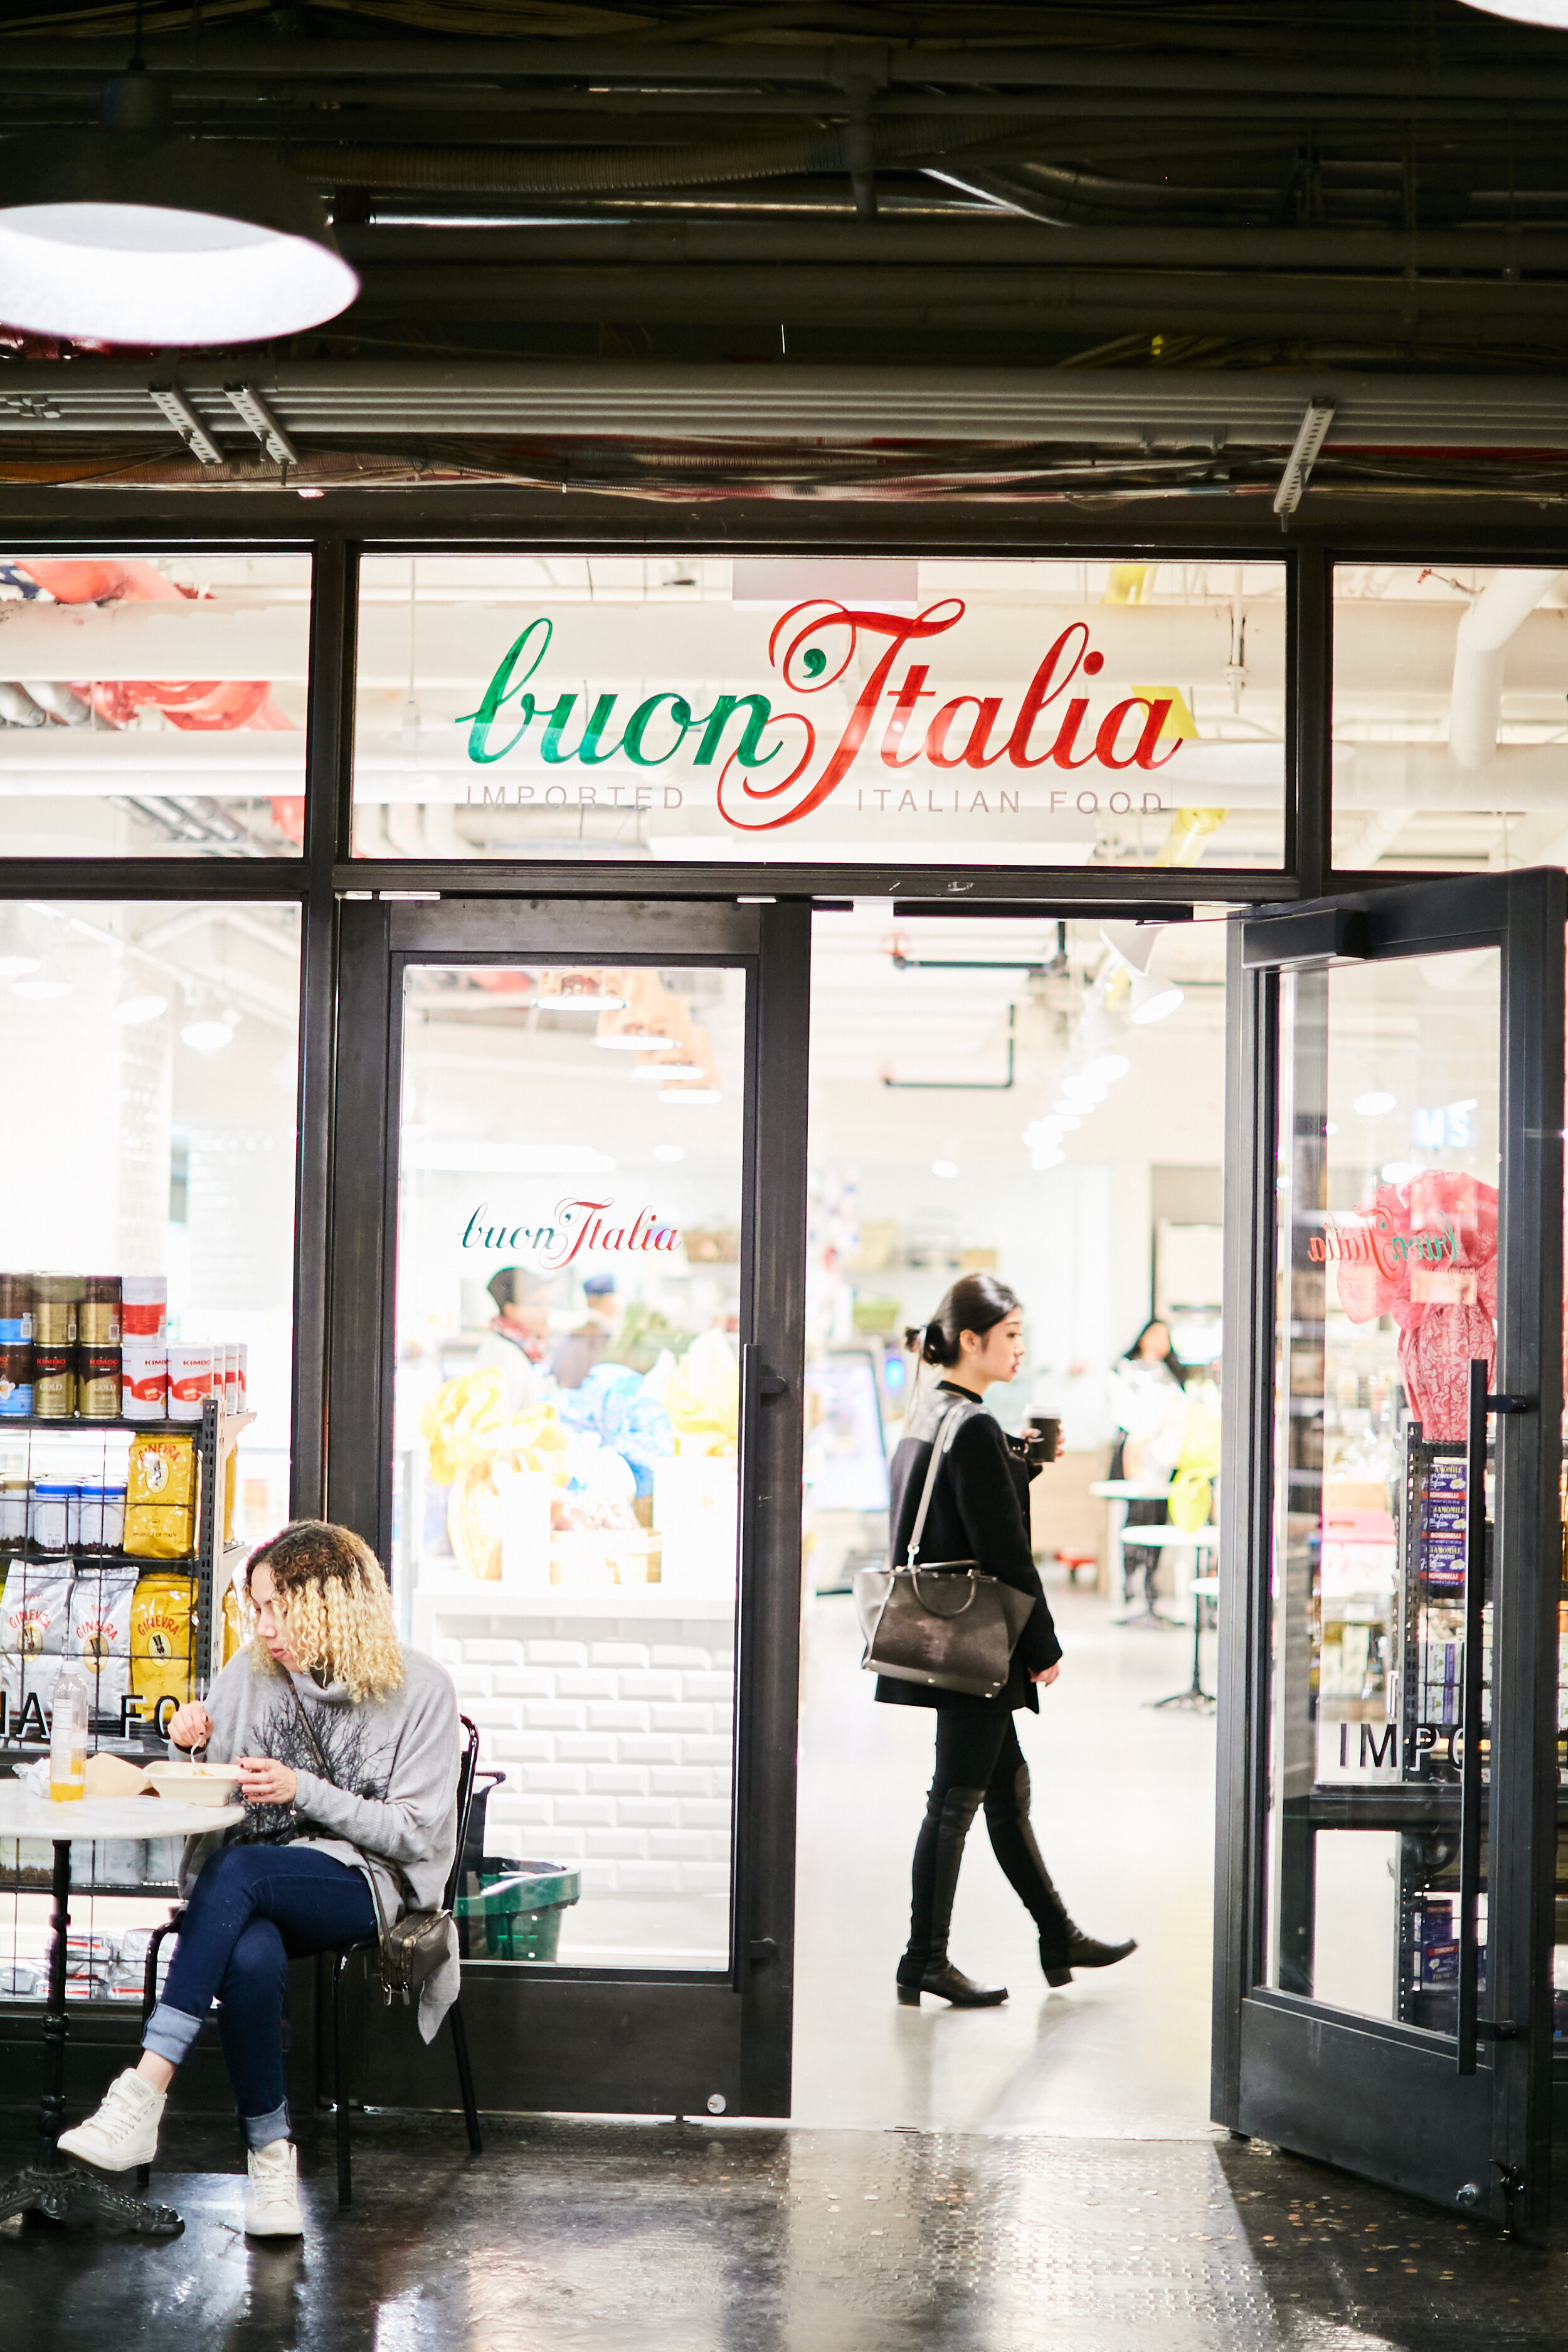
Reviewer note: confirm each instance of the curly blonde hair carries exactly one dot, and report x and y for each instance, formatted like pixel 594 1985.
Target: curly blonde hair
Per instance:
pixel 333 1600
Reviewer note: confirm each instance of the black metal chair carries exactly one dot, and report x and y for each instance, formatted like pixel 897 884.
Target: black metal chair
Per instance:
pixel 340 1959
pixel 455 2015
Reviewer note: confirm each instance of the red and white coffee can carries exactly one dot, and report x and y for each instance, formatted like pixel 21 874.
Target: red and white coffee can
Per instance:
pixel 144 1379
pixel 190 1378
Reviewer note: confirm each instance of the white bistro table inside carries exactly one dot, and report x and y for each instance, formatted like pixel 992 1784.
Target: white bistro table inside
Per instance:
pixel 52 2186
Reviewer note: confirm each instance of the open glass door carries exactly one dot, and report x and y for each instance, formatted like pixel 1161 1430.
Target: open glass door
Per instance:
pixel 1393 1553
pixel 565 1405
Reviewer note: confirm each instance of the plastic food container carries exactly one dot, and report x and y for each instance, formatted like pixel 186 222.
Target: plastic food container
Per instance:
pixel 195 1784
pixel 53 1515
pixel 102 1517
pixel 15 1496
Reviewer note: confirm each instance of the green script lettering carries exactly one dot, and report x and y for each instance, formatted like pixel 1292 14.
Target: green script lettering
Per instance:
pixel 501 689
pixel 759 711
pixel 631 744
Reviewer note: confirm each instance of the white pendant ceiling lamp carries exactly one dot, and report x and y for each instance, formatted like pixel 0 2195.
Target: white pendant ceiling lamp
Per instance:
pixel 1526 11
pixel 127 235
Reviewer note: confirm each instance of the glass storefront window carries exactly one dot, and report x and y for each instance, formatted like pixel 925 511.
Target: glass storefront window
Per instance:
pixel 148 1052
pixel 1448 738
pixel 1387 1174
pixel 152 705
pixel 565 1474
pixel 976 712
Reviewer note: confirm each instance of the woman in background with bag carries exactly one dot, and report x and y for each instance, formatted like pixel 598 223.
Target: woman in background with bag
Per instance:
pixel 976 1511
pixel 347 1749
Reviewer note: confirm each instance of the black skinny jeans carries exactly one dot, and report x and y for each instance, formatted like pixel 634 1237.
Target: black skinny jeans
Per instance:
pixel 980 1753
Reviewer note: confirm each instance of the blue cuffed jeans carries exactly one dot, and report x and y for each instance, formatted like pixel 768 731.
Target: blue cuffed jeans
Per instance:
pixel 254 1910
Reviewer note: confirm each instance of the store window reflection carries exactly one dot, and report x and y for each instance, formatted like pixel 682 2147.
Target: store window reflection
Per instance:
pixel 152 705
pixel 569 1300
pixel 963 711
pixel 1450 750
pixel 1387 1220
pixel 146 1284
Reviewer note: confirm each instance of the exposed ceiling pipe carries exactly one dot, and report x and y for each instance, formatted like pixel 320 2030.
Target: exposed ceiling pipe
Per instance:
pixel 18 708
pixel 1481 652
pixel 856 147
pixel 966 238
pixel 1311 68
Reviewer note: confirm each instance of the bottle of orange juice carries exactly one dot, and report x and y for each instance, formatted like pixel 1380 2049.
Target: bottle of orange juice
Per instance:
pixel 67 1739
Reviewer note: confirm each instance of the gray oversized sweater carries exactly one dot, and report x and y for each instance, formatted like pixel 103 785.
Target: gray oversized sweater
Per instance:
pixel 392 1791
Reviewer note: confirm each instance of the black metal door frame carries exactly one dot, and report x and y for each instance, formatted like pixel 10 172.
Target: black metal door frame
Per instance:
pixel 650 2041
pixel 1384 2099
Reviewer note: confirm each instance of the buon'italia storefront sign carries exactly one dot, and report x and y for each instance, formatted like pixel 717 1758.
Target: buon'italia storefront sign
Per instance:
pixel 855 715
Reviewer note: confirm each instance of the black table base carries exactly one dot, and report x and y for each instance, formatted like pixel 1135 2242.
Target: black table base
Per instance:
pixel 1200 1700
pixel 64 2192
pixel 53 2188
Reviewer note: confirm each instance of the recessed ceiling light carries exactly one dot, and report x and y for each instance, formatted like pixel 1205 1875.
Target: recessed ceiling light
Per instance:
pixel 689 1094
pixel 944 1166
pixel 669 1153
pixel 40 990
pixel 1397 1171
pixel 1374 1105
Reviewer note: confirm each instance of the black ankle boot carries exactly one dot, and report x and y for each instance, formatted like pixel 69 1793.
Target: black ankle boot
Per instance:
pixel 1058 1960
pixel 925 1967
pixel 952 1985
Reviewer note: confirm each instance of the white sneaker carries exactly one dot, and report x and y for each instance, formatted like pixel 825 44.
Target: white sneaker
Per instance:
pixel 272 2200
pixel 124 2132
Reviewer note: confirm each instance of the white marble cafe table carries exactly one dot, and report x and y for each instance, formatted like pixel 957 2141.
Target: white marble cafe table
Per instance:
pixel 52 2186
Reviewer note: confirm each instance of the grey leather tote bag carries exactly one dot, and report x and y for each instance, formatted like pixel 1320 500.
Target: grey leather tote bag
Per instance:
pixel 945 1624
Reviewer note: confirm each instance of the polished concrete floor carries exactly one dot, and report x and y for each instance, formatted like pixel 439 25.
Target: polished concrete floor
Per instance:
pixel 1041 2177
pixel 583 2237
pixel 1124 1804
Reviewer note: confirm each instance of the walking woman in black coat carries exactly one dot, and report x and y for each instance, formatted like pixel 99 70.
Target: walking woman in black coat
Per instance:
pixel 978 1511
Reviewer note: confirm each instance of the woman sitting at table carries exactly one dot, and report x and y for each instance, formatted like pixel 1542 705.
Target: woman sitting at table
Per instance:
pixel 320 1857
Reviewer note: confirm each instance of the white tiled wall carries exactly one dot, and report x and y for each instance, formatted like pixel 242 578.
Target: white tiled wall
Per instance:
pixel 615 1735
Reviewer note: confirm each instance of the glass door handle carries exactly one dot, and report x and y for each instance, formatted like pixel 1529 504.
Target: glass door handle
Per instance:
pixel 1471 2030
pixel 756 1382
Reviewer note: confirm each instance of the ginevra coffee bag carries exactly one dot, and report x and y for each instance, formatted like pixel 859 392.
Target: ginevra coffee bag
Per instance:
pixel 98 1635
pixel 34 1625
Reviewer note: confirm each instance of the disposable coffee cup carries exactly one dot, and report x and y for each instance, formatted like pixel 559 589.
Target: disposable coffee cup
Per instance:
pixel 1046 1431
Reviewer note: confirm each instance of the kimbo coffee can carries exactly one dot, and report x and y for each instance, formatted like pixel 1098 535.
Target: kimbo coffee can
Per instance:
pixel 97 1383
pixel 54 1382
